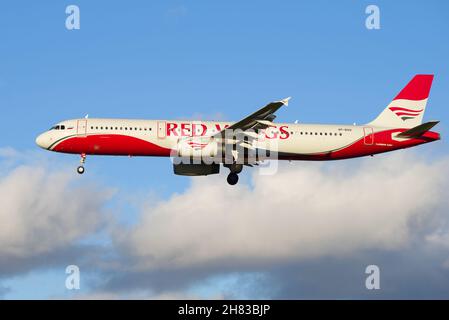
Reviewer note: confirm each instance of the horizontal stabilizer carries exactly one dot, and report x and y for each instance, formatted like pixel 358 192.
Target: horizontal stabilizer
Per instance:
pixel 418 130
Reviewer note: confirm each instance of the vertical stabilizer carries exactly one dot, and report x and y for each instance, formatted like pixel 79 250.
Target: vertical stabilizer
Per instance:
pixel 407 108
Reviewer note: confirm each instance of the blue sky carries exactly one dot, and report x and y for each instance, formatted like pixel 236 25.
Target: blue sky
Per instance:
pixel 208 59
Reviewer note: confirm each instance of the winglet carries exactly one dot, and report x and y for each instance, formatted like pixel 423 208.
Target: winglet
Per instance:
pixel 285 101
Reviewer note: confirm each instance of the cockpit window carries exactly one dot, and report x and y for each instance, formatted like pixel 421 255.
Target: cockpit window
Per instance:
pixel 62 127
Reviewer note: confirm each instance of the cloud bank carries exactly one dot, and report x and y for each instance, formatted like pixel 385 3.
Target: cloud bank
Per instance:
pixel 44 214
pixel 304 211
pixel 306 232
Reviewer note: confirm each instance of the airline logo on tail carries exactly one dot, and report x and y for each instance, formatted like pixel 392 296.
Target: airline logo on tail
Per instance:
pixel 411 101
pixel 405 113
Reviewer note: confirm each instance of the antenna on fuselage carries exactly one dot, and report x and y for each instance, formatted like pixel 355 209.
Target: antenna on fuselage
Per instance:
pixel 86 116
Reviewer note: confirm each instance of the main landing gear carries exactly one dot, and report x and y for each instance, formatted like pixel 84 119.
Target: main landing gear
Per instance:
pixel 80 169
pixel 233 176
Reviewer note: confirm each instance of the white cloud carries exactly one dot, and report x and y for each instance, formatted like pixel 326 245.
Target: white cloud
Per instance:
pixel 42 210
pixel 306 210
pixel 439 238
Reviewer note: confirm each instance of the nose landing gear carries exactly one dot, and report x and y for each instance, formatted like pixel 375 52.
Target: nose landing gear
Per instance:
pixel 80 169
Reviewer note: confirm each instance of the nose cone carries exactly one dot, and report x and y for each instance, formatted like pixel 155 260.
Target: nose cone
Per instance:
pixel 42 141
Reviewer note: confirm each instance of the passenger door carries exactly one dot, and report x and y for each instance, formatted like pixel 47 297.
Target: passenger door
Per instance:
pixel 368 136
pixel 81 128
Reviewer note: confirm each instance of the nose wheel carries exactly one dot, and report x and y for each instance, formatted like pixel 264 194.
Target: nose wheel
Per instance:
pixel 233 178
pixel 80 169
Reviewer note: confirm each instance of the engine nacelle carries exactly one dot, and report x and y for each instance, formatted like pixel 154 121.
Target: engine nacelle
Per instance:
pixel 196 169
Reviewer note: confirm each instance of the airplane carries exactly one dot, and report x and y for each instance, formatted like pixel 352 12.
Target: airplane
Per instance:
pixel 209 144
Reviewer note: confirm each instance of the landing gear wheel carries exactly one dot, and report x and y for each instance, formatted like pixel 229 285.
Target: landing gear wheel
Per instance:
pixel 80 169
pixel 233 178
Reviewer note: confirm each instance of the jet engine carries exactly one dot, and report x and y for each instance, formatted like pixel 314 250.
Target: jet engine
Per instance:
pixel 196 169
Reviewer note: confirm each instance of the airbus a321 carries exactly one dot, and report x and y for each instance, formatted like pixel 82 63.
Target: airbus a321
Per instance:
pixel 202 147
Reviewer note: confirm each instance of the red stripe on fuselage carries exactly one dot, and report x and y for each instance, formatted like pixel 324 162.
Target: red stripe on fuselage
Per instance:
pixel 111 144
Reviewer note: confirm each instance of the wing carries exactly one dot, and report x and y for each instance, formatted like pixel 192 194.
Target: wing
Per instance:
pixel 260 119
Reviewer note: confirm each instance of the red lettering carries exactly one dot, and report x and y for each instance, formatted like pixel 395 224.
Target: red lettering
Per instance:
pixel 273 130
pixel 284 133
pixel 171 129
pixel 218 127
pixel 203 128
pixel 185 129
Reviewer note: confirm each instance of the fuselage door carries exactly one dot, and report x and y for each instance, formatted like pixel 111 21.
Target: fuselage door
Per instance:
pixel 161 132
pixel 81 128
pixel 368 136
